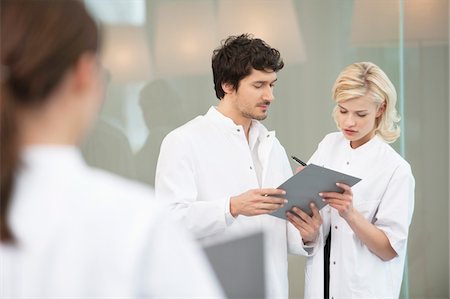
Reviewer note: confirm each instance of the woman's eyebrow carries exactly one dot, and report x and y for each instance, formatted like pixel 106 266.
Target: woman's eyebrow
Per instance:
pixel 365 110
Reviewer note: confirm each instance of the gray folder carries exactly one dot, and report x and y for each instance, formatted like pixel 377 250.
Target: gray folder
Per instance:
pixel 239 266
pixel 304 187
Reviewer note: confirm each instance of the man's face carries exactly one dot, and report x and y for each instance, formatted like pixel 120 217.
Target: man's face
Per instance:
pixel 254 94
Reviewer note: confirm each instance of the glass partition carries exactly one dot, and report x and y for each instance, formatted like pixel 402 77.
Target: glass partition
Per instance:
pixel 158 56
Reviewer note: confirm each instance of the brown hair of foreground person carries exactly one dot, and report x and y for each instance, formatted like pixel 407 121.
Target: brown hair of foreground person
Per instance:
pixel 36 52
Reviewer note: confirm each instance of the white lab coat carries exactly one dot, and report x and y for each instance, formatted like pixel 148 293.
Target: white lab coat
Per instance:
pixel 208 160
pixel 84 233
pixel 385 196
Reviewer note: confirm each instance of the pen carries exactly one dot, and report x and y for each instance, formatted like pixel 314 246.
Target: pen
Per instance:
pixel 298 161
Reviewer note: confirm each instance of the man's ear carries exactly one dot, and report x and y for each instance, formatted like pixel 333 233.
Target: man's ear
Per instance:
pixel 227 87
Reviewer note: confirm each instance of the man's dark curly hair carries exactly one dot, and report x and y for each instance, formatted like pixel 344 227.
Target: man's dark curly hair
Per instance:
pixel 237 56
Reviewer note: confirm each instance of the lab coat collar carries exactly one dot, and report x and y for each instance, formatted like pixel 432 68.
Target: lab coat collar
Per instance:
pixel 266 138
pixel 218 118
pixel 366 147
pixel 228 124
pixel 52 156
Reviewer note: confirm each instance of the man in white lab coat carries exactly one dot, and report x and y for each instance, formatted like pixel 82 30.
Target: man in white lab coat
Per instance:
pixel 220 170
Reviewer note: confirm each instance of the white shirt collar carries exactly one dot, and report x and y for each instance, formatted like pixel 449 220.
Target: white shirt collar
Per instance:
pixel 257 130
pixel 368 146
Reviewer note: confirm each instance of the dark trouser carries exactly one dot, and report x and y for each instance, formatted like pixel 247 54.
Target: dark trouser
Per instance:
pixel 326 266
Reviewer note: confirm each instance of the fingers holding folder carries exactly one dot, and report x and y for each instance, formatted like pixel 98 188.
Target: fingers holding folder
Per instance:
pixel 307 225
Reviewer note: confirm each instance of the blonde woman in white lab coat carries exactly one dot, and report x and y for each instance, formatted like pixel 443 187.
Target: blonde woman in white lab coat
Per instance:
pixel 368 224
pixel 68 230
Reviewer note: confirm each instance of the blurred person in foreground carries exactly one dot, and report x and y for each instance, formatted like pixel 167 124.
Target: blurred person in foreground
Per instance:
pixel 363 238
pixel 68 230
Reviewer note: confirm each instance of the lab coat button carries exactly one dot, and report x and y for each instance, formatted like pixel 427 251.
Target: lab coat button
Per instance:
pixel 348 163
pixel 268 135
pixel 251 167
pixel 334 262
pixel 238 130
pixel 335 226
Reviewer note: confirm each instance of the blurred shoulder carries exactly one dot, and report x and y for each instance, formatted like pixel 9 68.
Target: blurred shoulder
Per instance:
pixel 119 193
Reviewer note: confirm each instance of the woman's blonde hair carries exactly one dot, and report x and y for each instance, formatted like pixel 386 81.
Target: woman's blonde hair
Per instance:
pixel 365 78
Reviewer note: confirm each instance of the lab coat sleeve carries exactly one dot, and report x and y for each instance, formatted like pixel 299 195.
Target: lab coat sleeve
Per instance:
pixel 396 207
pixel 176 183
pixel 175 265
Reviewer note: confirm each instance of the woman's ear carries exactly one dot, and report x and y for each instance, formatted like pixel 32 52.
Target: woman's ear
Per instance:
pixel 381 109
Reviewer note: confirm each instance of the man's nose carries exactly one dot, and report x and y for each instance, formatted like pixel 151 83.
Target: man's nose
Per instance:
pixel 268 94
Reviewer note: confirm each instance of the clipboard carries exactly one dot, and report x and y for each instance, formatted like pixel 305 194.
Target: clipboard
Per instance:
pixel 304 187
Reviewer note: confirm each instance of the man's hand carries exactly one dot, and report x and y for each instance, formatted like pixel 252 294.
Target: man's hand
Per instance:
pixel 308 226
pixel 257 202
pixel 298 169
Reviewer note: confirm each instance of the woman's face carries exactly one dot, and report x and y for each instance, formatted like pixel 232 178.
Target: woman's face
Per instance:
pixel 357 119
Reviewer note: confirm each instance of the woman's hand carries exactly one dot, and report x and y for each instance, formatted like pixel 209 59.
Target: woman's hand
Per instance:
pixel 343 203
